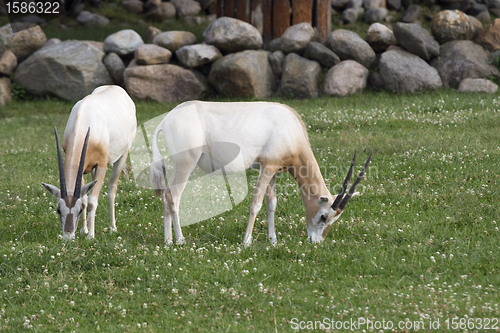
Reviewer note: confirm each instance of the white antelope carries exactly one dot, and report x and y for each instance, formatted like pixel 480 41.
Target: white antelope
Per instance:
pixel 108 115
pixel 270 136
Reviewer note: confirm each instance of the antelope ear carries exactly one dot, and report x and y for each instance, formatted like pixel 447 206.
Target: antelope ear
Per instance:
pixel 323 200
pixel 53 190
pixel 87 187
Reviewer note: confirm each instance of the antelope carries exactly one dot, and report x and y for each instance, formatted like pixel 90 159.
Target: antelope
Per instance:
pixel 269 136
pixel 100 131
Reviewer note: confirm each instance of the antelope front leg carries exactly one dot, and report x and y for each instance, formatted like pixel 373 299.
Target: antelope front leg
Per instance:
pixel 113 186
pixel 265 176
pixel 84 229
pixel 93 199
pixel 271 203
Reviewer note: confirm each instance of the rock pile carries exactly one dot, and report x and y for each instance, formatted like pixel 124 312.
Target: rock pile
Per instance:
pixel 232 60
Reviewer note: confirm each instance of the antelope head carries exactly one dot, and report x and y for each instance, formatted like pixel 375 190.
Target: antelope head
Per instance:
pixel 69 207
pixel 327 214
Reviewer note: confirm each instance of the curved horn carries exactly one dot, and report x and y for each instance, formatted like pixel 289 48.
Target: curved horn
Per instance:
pixel 79 175
pixel 340 196
pixel 353 187
pixel 62 178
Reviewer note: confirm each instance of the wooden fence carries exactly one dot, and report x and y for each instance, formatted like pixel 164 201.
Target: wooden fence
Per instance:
pixel 273 17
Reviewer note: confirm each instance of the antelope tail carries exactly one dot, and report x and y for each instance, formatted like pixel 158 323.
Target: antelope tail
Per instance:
pixel 158 168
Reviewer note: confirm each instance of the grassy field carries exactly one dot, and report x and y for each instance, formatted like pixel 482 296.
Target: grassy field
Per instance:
pixel 417 250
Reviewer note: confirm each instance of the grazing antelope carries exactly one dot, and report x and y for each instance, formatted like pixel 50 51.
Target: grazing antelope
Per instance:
pixel 100 131
pixel 270 136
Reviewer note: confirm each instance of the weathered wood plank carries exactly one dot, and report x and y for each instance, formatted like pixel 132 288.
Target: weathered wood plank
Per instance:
pixel 323 18
pixel 242 10
pixel 281 17
pixel 219 8
pixel 256 15
pixel 302 11
pixel 267 19
pixel 229 8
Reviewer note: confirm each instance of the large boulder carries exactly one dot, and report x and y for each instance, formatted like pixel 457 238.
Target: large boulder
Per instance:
pixel 477 85
pixel 174 40
pixel 151 54
pixel 191 56
pixel 376 15
pixel 416 40
pixel 346 78
pixel 276 60
pixel 296 38
pixel 300 77
pixel 243 74
pixel 462 59
pixel 162 12
pixel 412 14
pixel 123 42
pixel 322 54
pixel 136 6
pixel 5 91
pixel 349 46
pixel 92 20
pixel 232 35
pixel 490 36
pixel 164 83
pixel 8 62
pixel 402 71
pixel 115 66
pixel 380 37
pixel 69 70
pixel 448 25
pixel 22 43
pixel 186 7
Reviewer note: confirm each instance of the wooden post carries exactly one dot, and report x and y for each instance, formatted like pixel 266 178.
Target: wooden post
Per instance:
pixel 323 18
pixel 302 11
pixel 267 19
pixel 229 8
pixel 219 8
pixel 281 17
pixel 242 10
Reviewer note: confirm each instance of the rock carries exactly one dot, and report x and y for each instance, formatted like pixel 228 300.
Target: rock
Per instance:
pixel 135 6
pixel 300 77
pixel 151 54
pixel 354 4
pixel 450 25
pixel 5 91
pixel 321 54
pixel 152 33
pixel 22 43
pixel 394 5
pixel 404 72
pixel 276 60
pixel 31 18
pixel 346 78
pixel 476 27
pixel 475 8
pixel 89 19
pixel 477 85
pixel 243 74
pixel 349 46
pixel 376 15
pixel 123 42
pixel 461 59
pixel 8 62
pixel 97 45
pixel 296 38
pixel 162 12
pixel 412 14
pixel 174 40
pixel 69 70
pixel 490 36
pixel 484 16
pixel 339 5
pixel 375 81
pixel 350 15
pixel 186 7
pixel 372 4
pixel 115 66
pixel 52 41
pixel 191 56
pixel 380 37
pixel 232 35
pixel 416 40
pixel 164 83
pixel 274 45
pixel 206 3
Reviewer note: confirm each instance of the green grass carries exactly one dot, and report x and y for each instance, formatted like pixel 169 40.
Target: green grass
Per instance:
pixel 420 243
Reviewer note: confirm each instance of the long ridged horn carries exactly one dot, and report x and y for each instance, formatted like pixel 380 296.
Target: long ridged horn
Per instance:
pixel 339 197
pixel 62 178
pixel 79 175
pixel 353 187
